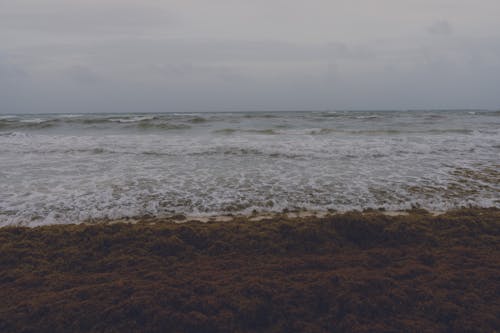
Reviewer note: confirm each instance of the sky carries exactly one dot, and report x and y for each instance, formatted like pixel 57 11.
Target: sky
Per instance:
pixel 241 55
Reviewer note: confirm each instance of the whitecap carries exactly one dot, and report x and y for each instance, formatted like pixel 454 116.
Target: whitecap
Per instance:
pixel 34 120
pixel 132 119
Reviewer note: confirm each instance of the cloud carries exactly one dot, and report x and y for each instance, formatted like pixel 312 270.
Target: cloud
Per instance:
pixel 440 27
pixel 83 75
pixel 10 70
pixel 155 55
pixel 91 18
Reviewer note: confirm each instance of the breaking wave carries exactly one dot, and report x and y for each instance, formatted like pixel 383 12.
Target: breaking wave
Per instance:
pixel 74 168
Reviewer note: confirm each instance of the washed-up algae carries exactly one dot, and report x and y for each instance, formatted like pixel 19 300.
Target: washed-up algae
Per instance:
pixel 350 272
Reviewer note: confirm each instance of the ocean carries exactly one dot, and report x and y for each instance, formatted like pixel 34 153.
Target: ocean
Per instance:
pixel 67 168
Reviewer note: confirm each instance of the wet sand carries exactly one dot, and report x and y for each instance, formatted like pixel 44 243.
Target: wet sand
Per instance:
pixel 296 272
pixel 254 217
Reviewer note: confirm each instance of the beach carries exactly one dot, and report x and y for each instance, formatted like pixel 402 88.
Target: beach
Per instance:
pixel 345 272
pixel 249 166
pixel 318 221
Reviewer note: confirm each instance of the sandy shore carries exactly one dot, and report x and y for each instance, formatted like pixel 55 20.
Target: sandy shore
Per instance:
pixel 352 272
pixel 254 217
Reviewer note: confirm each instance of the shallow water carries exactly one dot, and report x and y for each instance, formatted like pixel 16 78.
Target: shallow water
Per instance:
pixel 67 168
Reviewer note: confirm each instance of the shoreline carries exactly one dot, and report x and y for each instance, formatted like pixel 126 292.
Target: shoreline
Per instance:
pixel 252 217
pixel 255 216
pixel 261 216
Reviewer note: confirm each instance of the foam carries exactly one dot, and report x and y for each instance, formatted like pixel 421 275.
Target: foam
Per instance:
pixel 132 119
pixel 34 120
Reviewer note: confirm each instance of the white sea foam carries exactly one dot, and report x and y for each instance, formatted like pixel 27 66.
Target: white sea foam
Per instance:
pixel 131 119
pixel 34 120
pixel 70 115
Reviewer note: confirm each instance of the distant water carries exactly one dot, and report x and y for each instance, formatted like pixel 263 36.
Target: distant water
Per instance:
pixel 71 167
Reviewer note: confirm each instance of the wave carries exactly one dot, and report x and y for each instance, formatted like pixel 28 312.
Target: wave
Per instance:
pixel 161 126
pixel 287 123
pixel 229 131
pixel 87 121
pixel 71 115
pixel 226 131
pixel 366 117
pixel 451 130
pixel 323 131
pixel 132 119
pixel 27 123
pixel 209 151
pixel 149 122
pixel 197 120
pixel 34 120
pixel 326 131
pixel 435 116
pixel 239 151
pixel 14 134
pixel 260 115
pixel 333 115
pixel 264 131
pixel 320 117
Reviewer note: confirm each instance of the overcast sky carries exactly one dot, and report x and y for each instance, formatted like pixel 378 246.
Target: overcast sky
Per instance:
pixel 155 56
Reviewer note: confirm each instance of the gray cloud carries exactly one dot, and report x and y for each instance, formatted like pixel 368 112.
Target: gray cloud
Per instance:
pixel 440 27
pixel 9 71
pixel 86 17
pixel 112 55
pixel 82 75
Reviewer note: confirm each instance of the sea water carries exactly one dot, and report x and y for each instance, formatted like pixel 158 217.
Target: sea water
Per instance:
pixel 66 168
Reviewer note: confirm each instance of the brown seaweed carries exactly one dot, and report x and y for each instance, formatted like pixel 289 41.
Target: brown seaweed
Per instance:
pixel 354 272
